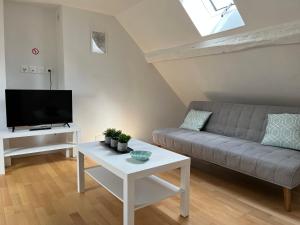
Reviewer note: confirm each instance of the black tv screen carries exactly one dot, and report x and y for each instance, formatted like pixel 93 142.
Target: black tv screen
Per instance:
pixel 38 107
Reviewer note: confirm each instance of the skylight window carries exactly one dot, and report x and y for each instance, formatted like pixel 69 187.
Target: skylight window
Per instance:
pixel 221 4
pixel 213 16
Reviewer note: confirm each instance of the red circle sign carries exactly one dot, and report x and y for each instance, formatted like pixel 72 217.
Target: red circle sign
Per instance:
pixel 35 51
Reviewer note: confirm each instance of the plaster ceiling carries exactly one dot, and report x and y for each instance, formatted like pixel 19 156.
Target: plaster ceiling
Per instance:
pixel 109 7
pixel 168 25
pixel 267 75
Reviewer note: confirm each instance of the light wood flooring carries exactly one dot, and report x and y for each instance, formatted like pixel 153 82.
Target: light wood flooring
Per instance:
pixel 41 190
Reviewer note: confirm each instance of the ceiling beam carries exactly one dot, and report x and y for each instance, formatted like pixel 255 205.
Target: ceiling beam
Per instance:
pixel 284 34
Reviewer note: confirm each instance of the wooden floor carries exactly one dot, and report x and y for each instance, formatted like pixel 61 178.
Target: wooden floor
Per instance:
pixel 42 190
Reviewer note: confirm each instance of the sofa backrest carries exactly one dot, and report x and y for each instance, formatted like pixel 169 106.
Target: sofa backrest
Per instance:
pixel 239 120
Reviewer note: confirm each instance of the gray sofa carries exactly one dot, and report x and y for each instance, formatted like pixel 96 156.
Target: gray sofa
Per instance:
pixel 231 138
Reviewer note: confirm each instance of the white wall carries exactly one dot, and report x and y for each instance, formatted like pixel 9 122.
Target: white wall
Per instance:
pixel 118 89
pixel 28 26
pixel 260 76
pixel 60 49
pixel 2 68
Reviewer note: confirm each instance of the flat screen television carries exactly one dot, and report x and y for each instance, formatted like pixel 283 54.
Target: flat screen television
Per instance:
pixel 38 107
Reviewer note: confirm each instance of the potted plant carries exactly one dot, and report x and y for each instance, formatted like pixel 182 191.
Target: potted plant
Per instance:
pixel 123 142
pixel 114 138
pixel 108 134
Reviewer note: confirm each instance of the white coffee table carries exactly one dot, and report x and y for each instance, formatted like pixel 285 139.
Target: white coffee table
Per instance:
pixel 133 182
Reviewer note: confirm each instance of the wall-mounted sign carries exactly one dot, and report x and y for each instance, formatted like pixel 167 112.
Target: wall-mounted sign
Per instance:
pixel 35 51
pixel 98 42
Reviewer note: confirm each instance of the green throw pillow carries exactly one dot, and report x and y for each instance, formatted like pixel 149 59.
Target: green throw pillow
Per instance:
pixel 195 120
pixel 283 130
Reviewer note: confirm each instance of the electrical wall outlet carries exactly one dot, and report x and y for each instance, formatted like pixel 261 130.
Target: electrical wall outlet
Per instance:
pixel 24 69
pixel 34 69
pixel 48 68
pixel 40 69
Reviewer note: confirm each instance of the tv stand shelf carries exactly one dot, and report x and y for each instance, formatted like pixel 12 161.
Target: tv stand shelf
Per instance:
pixel 7 153
pixel 25 151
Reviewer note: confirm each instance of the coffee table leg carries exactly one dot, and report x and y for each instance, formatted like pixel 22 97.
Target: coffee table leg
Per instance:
pixel 80 172
pixel 128 203
pixel 185 187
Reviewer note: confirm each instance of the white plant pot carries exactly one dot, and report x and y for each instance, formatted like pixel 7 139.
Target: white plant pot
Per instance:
pixel 122 147
pixel 107 140
pixel 113 143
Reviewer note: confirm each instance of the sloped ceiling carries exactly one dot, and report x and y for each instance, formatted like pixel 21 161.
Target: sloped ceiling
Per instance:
pixel 109 7
pixel 269 75
pixel 156 24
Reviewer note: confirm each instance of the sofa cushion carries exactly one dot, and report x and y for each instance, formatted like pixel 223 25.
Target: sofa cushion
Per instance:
pixel 195 120
pixel 276 165
pixel 283 130
pixel 239 120
pixel 175 139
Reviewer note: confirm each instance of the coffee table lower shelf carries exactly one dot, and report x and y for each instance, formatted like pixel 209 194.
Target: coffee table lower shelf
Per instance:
pixel 148 190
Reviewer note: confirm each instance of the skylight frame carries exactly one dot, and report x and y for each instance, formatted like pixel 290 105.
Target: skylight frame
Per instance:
pixel 218 9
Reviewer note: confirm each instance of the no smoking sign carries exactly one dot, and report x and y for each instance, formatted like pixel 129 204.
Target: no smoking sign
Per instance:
pixel 35 51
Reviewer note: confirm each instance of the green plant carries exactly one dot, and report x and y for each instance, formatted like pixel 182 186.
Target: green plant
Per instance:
pixel 109 132
pixel 116 134
pixel 124 138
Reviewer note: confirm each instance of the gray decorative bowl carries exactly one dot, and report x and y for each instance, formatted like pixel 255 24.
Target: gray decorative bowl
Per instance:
pixel 140 155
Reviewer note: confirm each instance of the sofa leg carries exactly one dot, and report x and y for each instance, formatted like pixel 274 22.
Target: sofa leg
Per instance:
pixel 287 195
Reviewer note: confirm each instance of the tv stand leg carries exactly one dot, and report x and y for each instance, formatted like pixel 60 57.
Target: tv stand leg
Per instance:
pixel 13 129
pixel 7 161
pixel 2 161
pixel 67 124
pixel 76 140
pixel 68 153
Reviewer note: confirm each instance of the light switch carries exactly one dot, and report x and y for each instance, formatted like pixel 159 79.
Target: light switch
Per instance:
pixel 24 69
pixel 33 69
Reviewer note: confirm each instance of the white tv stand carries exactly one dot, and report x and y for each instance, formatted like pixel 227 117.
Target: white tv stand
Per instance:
pixel 7 153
